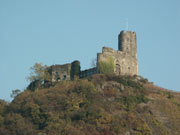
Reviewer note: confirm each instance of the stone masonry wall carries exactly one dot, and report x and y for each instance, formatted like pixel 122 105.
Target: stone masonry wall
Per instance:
pixel 88 72
pixel 60 72
pixel 125 59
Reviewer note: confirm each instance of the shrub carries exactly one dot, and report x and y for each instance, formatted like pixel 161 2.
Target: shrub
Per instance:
pixel 133 84
pixel 34 85
pixel 131 101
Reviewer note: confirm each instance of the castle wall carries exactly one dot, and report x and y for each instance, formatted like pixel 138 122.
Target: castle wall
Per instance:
pixel 125 59
pixel 124 63
pixel 88 72
pixel 60 72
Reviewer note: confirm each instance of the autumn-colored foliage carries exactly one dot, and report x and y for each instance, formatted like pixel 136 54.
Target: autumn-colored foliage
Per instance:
pixel 100 105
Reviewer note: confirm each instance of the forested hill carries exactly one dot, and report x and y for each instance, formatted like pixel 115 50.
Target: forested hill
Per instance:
pixel 100 105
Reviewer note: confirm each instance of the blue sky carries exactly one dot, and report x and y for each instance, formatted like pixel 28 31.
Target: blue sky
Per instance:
pixel 60 31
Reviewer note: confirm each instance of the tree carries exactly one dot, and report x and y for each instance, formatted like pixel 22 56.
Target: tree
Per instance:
pixel 34 85
pixel 15 93
pixel 38 72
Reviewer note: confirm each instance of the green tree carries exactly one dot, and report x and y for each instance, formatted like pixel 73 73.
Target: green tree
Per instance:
pixel 106 67
pixel 34 85
pixel 15 93
pixel 17 125
pixel 38 72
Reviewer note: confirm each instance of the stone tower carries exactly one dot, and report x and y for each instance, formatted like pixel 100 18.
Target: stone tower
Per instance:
pixel 125 58
pixel 122 61
pixel 127 43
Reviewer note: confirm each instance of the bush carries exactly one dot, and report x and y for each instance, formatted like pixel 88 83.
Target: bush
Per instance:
pixel 131 101
pixel 126 81
pixel 133 84
pixel 34 85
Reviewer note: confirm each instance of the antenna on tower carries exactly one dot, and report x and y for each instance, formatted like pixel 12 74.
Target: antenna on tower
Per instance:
pixel 127 27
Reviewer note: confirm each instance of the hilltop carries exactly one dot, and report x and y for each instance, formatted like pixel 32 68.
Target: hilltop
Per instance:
pixel 99 105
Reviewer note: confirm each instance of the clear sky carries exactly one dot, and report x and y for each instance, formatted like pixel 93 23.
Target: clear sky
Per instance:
pixel 60 31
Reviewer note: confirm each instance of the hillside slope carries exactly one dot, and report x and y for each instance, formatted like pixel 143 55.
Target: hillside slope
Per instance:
pixel 100 105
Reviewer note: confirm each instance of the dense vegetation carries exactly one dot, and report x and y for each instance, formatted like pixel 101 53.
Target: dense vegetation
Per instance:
pixel 100 105
pixel 75 69
pixel 106 67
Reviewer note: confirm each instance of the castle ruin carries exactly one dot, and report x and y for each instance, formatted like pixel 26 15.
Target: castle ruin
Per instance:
pixel 124 60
